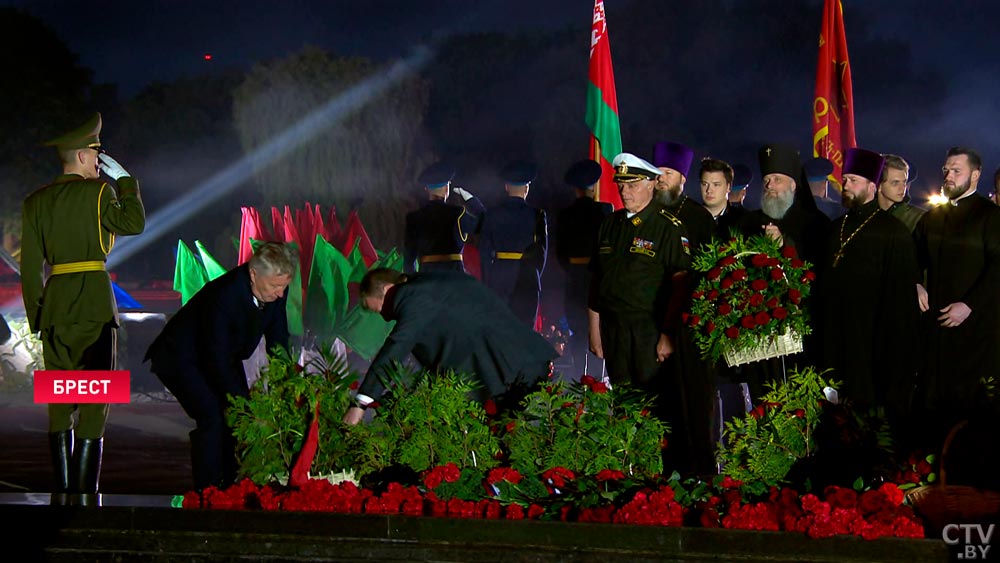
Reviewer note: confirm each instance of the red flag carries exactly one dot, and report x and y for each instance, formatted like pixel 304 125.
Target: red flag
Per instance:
pixel 251 227
pixel 602 108
pixel 356 231
pixel 833 107
pixel 304 460
pixel 334 234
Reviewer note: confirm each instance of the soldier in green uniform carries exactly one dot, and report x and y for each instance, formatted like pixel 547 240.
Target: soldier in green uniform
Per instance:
pixel 71 225
pixel 638 286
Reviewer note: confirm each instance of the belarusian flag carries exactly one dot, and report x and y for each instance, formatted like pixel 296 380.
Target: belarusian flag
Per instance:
pixel 833 106
pixel 602 108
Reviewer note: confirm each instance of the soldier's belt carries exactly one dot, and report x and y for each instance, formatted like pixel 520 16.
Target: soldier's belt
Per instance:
pixel 77 267
pixel 579 260
pixel 509 255
pixel 429 258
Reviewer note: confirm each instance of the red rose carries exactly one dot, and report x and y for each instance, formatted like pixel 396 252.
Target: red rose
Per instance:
pixel 772 303
pixel 609 475
pixel 756 300
pixel 788 251
pixel 727 283
pixel 758 285
pixel 794 295
pixel 892 492
pixel 490 407
pixel 727 261
pixel 732 332
pixel 588 380
pixel 600 388
pixel 762 318
pixel 779 313
pixel 725 309
pixel 739 275
pixel 809 276
pixel 710 327
pixel 747 322
pixel 759 260
pixel 713 294
pixel 796 263
pixel 777 274
pixel 714 273
pixel 698 294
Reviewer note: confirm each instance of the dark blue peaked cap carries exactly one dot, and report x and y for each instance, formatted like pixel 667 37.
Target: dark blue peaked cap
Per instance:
pixel 742 176
pixel 583 174
pixel 519 172
pixel 436 175
pixel 818 168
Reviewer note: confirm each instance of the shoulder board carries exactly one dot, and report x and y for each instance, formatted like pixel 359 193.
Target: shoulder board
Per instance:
pixel 671 217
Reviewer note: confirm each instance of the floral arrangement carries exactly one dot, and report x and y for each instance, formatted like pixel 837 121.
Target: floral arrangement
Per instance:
pixel 750 293
pixel 585 427
pixel 446 491
pixel 781 430
pixel 576 452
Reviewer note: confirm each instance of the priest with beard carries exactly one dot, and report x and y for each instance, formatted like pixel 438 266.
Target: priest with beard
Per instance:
pixel 958 249
pixel 787 211
pixel 866 315
pixel 674 162
pixel 789 215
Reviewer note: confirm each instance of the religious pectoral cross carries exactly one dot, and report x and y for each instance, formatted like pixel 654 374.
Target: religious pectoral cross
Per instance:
pixel 837 256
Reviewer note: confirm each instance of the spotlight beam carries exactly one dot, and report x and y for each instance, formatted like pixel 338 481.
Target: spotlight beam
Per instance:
pixel 307 128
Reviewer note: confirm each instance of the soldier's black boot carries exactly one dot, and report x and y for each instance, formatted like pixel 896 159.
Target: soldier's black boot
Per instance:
pixel 88 466
pixel 61 448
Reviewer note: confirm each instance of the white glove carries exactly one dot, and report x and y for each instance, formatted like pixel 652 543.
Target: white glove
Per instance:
pixel 465 195
pixel 111 167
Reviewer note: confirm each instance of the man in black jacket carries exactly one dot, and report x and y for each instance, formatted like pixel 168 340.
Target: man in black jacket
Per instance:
pixel 450 321
pixel 199 354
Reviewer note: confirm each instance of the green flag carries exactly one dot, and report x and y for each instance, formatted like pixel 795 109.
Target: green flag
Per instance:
pixel 357 261
pixel 212 267
pixel 392 260
pixel 327 296
pixel 364 331
pixel 189 273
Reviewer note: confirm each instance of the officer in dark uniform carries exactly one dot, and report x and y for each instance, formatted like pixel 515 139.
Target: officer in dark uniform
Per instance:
pixel 514 244
pixel 576 235
pixel 639 282
pixel 674 161
pixel 71 225
pixel 437 232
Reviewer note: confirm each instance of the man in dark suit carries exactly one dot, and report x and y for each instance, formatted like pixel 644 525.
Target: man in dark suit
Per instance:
pixel 437 232
pixel 71 225
pixel 514 244
pixel 576 235
pixel 450 321
pixel 199 354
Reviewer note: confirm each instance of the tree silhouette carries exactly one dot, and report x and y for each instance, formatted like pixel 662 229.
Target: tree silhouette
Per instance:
pixel 366 161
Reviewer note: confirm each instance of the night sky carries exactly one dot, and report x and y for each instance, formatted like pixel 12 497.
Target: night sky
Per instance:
pixel 132 44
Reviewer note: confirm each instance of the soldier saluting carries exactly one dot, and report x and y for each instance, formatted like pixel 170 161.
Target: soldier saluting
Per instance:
pixel 71 225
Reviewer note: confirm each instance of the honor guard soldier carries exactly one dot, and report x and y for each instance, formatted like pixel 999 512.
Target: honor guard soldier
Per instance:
pixel 576 235
pixel 514 244
pixel 71 225
pixel 437 232
pixel 639 282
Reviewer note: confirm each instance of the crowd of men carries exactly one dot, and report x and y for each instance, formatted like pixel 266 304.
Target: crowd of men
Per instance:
pixel 904 311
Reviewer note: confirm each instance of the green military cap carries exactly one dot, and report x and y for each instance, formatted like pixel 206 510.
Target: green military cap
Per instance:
pixel 86 136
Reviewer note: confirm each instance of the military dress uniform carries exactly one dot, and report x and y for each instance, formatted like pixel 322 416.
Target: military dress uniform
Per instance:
pixel 436 234
pixel 576 234
pixel 513 247
pixel 71 225
pixel 633 287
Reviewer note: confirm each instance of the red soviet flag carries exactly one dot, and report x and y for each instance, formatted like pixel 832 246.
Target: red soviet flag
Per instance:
pixel 833 106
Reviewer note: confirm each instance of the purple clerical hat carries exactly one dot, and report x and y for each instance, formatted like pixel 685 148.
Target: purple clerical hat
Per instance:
pixel 667 154
pixel 864 163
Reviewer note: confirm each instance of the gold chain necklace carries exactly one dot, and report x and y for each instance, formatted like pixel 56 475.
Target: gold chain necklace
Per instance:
pixel 840 253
